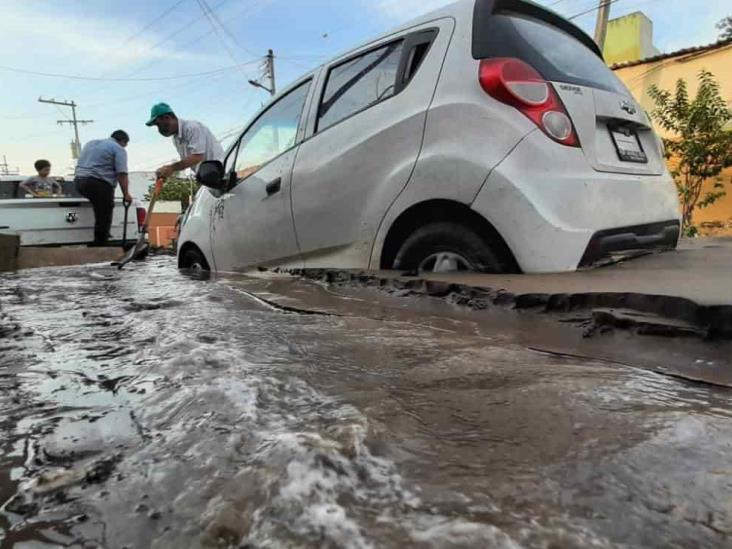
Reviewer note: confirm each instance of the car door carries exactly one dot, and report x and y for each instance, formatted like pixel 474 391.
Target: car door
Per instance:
pixel 252 222
pixel 366 135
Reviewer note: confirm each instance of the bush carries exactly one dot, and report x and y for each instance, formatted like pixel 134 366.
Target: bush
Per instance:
pixel 700 146
pixel 176 189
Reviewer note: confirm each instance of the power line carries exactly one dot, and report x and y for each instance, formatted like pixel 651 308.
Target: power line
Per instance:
pixel 183 91
pixel 188 91
pixel 164 14
pixel 151 23
pixel 167 37
pixel 297 63
pixel 601 6
pixel 108 79
pixel 186 26
pixel 213 22
pixel 232 37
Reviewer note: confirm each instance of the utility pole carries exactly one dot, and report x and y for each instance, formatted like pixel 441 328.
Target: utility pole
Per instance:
pixel 76 145
pixel 603 16
pixel 269 72
pixel 4 170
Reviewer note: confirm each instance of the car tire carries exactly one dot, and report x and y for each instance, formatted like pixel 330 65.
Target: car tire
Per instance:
pixel 446 247
pixel 193 260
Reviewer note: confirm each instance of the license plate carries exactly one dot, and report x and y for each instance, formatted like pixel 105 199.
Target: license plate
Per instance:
pixel 628 145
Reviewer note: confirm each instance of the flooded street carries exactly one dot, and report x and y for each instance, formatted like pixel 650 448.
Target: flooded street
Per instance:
pixel 146 408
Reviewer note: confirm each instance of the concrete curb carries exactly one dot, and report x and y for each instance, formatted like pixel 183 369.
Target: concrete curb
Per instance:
pixel 13 257
pixel 9 246
pixel 672 315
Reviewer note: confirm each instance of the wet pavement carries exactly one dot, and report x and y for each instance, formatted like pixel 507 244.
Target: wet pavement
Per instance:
pixel 146 408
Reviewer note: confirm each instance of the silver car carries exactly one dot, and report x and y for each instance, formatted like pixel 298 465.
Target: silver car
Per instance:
pixel 489 135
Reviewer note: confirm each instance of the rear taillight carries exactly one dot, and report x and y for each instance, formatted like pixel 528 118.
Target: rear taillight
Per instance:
pixel 141 213
pixel 518 84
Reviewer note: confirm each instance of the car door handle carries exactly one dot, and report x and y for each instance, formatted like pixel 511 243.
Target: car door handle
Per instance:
pixel 274 187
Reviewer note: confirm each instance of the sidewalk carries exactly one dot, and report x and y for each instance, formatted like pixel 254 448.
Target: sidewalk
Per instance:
pixel 700 271
pixel 683 292
pixel 14 257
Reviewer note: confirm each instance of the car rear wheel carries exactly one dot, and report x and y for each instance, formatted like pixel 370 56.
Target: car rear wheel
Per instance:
pixel 194 260
pixel 443 247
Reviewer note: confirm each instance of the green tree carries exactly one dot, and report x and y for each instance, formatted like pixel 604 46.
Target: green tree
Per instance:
pixel 176 188
pixel 725 25
pixel 699 144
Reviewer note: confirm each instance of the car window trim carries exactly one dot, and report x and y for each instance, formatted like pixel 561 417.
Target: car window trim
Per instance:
pixel 399 76
pixel 347 86
pixel 235 148
pixel 331 68
pixel 415 39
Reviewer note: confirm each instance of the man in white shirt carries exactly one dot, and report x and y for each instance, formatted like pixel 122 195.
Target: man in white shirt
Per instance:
pixel 193 141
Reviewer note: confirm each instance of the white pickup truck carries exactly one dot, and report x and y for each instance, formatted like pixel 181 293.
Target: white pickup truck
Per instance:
pixel 59 219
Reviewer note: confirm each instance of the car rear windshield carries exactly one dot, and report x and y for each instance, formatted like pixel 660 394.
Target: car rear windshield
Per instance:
pixel 558 56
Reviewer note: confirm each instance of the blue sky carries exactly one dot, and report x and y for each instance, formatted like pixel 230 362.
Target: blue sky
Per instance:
pixel 113 39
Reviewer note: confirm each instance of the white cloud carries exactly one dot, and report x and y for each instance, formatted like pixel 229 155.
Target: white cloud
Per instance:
pixel 93 41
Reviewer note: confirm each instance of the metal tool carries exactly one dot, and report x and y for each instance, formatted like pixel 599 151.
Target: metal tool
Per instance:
pixel 140 248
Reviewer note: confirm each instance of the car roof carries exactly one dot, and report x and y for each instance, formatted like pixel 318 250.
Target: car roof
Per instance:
pixel 459 9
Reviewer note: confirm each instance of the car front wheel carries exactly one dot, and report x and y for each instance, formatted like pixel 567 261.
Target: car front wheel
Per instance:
pixel 443 247
pixel 193 259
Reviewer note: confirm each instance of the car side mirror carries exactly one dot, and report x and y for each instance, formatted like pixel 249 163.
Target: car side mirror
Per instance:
pixel 211 174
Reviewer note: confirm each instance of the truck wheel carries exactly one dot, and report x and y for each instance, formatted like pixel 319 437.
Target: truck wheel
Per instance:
pixel 444 247
pixel 194 260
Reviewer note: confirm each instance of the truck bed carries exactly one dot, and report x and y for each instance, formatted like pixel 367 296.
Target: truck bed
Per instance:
pixel 60 221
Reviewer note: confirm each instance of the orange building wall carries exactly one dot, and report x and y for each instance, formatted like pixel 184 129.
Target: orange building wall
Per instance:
pixel 162 231
pixel 717 218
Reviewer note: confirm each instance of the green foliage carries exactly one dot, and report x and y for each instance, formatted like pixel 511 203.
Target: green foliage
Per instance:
pixel 725 25
pixel 691 231
pixel 176 189
pixel 699 143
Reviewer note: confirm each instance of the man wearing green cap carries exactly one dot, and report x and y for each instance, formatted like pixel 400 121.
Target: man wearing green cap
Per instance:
pixel 194 141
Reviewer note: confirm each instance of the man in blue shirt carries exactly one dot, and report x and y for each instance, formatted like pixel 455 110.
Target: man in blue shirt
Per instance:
pixel 101 165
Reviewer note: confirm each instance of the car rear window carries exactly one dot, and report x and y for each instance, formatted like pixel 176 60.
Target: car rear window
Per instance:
pixel 557 56
pixel 359 83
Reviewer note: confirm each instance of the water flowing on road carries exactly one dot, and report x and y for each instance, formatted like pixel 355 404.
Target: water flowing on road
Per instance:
pixel 148 408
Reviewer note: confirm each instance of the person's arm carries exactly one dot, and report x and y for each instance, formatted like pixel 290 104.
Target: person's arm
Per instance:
pixel 195 136
pixel 120 168
pixel 246 172
pixel 124 183
pixel 58 186
pixel 189 162
pixel 25 186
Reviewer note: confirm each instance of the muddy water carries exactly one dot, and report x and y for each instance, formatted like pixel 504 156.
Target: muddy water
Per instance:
pixel 151 409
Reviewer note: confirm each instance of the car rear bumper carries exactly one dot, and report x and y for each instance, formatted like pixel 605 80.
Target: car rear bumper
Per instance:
pixel 549 205
pixel 653 236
